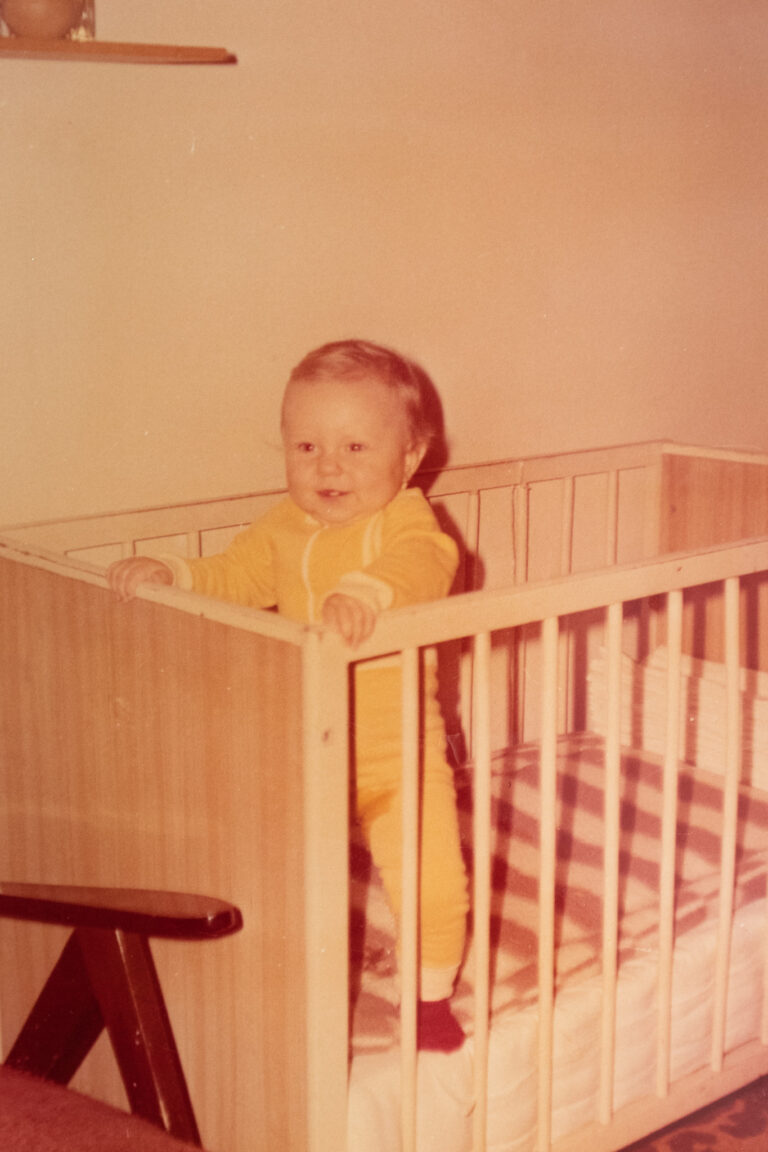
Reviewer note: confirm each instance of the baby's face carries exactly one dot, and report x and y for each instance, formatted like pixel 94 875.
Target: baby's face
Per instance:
pixel 348 447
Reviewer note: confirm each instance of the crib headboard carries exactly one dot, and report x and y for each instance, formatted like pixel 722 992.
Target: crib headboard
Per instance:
pixel 515 520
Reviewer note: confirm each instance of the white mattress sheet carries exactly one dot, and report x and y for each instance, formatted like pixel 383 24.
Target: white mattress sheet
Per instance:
pixel 445 1089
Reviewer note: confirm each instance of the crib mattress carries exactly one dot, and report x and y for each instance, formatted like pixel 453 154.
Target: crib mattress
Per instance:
pixel 445 1080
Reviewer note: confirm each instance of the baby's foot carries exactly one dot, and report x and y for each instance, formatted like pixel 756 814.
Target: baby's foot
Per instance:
pixel 438 1030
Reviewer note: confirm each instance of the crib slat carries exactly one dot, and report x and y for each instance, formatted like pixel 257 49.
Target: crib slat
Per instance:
pixel 471 583
pixel 472 540
pixel 611 861
pixel 730 816
pixel 409 927
pixel 669 840
pixel 194 545
pixel 520 503
pixel 481 828
pixel 566 562
pixel 520 506
pixel 566 526
pixel 548 858
pixel 612 519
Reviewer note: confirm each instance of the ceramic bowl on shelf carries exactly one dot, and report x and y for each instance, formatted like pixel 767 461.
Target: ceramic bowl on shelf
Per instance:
pixel 41 19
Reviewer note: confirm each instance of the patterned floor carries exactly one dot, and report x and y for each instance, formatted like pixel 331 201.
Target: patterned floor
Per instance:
pixel 737 1124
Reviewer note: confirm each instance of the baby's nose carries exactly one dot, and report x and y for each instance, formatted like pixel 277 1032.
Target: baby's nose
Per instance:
pixel 329 463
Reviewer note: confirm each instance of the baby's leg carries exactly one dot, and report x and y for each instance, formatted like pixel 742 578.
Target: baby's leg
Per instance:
pixel 443 890
pixel 443 901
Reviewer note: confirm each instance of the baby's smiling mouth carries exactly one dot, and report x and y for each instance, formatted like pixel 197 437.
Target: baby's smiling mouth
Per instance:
pixel 331 493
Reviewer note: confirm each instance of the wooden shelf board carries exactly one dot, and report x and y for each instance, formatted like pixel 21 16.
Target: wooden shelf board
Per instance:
pixel 111 52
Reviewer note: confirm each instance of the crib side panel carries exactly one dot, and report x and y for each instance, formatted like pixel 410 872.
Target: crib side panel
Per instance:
pixel 711 499
pixel 653 835
pixel 708 500
pixel 147 747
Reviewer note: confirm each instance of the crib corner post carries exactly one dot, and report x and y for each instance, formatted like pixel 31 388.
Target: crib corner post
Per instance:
pixel 326 903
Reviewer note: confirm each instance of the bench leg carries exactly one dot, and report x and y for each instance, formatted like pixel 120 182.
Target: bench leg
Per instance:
pixel 107 979
pixel 64 1024
pixel 124 979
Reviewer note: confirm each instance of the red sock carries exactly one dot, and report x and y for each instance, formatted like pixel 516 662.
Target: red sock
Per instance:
pixel 438 1030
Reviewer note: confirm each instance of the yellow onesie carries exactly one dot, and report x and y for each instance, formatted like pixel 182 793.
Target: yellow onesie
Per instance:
pixel 397 556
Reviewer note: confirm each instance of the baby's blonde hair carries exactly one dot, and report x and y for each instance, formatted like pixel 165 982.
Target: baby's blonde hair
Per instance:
pixel 361 360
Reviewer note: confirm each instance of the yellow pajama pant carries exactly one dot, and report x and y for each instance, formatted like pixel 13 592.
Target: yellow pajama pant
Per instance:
pixel 377 750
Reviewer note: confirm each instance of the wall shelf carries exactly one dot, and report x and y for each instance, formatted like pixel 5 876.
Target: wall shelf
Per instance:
pixel 110 52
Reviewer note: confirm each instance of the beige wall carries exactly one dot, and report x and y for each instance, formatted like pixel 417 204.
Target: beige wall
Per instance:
pixel 560 209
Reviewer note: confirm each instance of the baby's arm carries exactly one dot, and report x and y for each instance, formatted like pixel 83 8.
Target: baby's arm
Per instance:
pixel 354 619
pixel 241 574
pixel 124 576
pixel 417 562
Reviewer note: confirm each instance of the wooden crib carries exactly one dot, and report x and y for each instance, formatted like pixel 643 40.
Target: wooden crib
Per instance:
pixel 180 742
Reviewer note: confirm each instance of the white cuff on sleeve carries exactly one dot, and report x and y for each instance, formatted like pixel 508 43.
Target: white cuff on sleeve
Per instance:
pixel 376 593
pixel 182 575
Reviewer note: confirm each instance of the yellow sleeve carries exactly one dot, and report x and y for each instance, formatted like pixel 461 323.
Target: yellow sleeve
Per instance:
pixel 243 573
pixel 416 561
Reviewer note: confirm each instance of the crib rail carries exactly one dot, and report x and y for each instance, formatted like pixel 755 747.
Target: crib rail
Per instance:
pixel 474 619
pixel 182 527
pixel 528 519
pixel 496 609
pixel 589 494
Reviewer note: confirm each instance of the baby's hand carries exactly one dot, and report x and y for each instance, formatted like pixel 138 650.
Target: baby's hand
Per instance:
pixel 352 618
pixel 124 576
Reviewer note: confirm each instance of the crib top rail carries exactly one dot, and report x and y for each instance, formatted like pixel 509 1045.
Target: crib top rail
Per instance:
pixel 475 613
pixel 264 623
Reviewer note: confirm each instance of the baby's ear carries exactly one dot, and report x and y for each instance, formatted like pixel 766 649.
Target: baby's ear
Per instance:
pixel 413 458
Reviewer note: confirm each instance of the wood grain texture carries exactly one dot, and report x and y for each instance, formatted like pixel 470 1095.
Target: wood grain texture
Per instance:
pixel 149 748
pixel 707 501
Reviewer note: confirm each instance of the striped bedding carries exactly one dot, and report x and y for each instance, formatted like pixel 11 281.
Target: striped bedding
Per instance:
pixel 445 1081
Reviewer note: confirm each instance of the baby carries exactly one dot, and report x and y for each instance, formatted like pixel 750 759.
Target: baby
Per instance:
pixel 349 541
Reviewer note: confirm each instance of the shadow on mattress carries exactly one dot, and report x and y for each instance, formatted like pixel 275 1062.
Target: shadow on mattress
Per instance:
pixel 446 1087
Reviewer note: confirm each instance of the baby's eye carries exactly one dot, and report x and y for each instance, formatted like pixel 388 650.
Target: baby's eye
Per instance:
pixel 305 446
pixel 356 446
